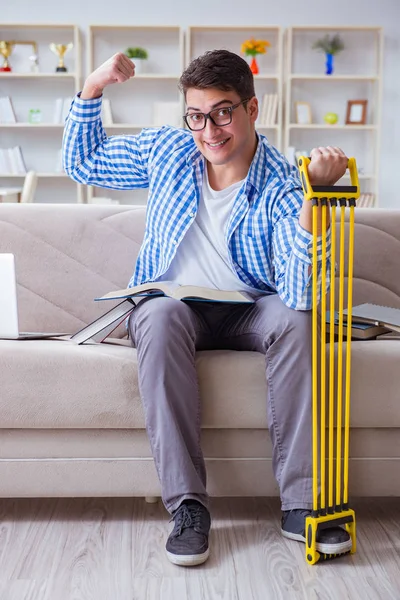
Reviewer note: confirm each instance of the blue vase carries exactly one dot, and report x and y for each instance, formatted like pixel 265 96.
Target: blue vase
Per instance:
pixel 329 64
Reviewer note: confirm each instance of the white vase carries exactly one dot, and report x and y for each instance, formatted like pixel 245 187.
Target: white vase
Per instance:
pixel 139 65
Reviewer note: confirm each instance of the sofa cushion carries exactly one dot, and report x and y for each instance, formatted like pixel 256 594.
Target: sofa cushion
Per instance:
pixel 57 384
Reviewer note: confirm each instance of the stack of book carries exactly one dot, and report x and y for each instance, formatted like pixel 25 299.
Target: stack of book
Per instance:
pixel 366 201
pixel 7 114
pixel 11 161
pixel 269 109
pixel 61 109
pixel 368 321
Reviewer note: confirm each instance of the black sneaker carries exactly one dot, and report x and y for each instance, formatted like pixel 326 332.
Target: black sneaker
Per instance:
pixel 187 544
pixel 333 540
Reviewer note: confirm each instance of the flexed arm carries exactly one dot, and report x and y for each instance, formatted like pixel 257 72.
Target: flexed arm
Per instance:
pixel 90 157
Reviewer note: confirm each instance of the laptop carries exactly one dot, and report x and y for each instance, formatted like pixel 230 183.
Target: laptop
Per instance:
pixel 8 304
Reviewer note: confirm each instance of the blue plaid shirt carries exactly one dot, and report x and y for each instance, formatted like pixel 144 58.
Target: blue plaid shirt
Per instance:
pixel 269 250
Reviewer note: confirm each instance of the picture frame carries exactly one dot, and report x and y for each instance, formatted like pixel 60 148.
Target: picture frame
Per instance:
pixel 356 113
pixel 303 113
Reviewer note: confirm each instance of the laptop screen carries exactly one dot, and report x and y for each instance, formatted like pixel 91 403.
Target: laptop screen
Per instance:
pixel 8 298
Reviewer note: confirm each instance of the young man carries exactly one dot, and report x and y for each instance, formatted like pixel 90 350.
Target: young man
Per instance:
pixel 225 210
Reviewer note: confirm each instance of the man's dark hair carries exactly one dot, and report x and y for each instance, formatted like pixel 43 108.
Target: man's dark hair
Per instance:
pixel 219 69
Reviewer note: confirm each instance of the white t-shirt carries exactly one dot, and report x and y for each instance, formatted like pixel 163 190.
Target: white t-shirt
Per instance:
pixel 202 257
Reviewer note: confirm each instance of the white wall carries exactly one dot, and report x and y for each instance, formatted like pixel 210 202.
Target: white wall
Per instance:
pixel 385 13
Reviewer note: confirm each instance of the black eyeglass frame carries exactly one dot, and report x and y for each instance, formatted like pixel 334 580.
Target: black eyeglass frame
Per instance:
pixel 208 115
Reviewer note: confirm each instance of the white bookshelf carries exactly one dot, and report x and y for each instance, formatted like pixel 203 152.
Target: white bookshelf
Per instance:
pixel 270 77
pixel 133 103
pixel 357 75
pixel 40 143
pixel 300 77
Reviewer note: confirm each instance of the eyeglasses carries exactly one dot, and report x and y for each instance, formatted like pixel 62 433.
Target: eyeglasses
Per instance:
pixel 219 116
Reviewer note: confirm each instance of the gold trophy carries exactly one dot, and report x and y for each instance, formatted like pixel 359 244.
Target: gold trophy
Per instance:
pixel 60 50
pixel 7 47
pixel 5 51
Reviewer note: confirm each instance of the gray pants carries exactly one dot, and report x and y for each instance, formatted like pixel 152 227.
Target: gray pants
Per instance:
pixel 167 333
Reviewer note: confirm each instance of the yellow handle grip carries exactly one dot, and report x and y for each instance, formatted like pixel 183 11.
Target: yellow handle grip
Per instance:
pixel 329 191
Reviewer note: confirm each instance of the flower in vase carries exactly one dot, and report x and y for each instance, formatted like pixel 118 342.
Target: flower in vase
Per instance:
pixel 252 47
pixel 330 45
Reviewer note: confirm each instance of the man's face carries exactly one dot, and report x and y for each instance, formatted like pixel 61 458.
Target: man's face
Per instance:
pixel 221 145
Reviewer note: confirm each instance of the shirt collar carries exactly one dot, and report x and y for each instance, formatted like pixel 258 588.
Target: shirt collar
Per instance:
pixel 258 172
pixel 194 155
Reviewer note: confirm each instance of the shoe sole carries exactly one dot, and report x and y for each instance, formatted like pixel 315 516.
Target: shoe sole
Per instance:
pixel 188 560
pixel 339 548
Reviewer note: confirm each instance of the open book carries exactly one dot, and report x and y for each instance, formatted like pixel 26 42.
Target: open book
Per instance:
pixel 98 330
pixel 179 292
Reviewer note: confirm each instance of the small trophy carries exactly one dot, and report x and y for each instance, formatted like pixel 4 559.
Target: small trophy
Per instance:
pixel 60 50
pixel 5 51
pixel 34 63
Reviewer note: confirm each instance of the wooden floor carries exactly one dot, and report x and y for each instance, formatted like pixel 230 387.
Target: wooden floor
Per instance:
pixel 113 549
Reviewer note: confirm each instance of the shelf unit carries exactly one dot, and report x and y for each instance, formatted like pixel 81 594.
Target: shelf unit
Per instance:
pixel 357 75
pixel 133 103
pixel 268 81
pixel 45 86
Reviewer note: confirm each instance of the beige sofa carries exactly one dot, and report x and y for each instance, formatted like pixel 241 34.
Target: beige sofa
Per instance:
pixel 71 417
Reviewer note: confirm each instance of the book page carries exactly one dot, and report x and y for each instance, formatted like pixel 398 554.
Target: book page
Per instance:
pixel 196 292
pixel 165 288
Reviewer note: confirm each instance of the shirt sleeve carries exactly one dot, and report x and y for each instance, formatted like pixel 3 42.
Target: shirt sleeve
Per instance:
pixel 93 158
pixel 293 249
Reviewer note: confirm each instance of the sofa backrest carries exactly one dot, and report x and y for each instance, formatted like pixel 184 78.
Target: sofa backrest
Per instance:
pixel 376 276
pixel 66 255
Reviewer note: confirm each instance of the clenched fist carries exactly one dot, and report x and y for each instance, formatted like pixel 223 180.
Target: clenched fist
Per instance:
pixel 327 165
pixel 117 69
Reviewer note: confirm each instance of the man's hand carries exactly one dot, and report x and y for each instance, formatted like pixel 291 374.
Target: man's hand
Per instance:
pixel 327 165
pixel 117 69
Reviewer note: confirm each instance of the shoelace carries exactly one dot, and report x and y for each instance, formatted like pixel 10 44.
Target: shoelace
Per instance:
pixel 186 517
